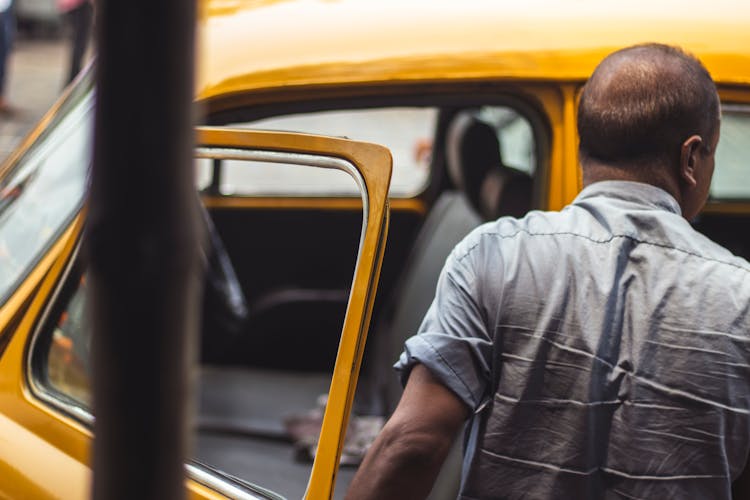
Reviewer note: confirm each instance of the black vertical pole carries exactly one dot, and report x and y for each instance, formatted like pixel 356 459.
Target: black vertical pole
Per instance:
pixel 142 246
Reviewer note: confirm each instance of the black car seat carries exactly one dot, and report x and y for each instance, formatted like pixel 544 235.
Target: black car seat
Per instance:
pixel 476 167
pixel 486 190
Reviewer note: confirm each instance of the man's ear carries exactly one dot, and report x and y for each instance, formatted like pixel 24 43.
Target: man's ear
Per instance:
pixel 689 159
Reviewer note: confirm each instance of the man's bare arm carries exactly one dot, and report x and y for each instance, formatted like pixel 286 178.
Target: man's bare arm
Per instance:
pixel 405 459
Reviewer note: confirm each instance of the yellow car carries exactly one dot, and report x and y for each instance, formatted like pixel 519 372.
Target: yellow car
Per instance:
pixel 476 101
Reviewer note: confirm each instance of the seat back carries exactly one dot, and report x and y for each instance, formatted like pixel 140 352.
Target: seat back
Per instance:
pixel 449 221
pixel 476 166
pixel 486 189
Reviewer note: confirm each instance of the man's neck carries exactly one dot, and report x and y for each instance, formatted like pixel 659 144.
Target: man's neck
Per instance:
pixel 658 176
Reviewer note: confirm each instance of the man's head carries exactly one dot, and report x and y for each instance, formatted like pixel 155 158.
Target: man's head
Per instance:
pixel 651 113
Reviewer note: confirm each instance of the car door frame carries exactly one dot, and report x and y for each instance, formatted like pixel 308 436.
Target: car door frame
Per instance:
pixel 62 429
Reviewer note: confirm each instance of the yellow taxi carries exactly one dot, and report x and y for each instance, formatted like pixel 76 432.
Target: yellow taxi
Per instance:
pixel 476 103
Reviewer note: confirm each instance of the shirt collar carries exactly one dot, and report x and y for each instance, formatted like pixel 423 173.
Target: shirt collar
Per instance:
pixel 634 192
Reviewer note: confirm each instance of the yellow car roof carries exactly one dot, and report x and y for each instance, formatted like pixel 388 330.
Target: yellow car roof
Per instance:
pixel 247 45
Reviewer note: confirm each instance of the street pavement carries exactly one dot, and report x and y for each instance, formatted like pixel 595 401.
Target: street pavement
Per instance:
pixel 35 79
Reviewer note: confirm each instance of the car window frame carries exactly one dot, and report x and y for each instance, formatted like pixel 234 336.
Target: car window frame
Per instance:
pixel 448 98
pixel 729 96
pixel 740 108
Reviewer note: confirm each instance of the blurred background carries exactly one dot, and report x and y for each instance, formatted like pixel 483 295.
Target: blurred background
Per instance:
pixel 37 67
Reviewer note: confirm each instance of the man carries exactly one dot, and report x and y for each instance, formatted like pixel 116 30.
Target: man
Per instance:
pixel 602 351
pixel 7 27
pixel 79 15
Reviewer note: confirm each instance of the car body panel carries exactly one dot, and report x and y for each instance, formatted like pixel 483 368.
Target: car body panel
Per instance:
pixel 32 429
pixel 477 41
pixel 427 41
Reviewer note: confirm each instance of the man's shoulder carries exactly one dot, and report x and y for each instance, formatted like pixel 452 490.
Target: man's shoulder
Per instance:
pixel 709 250
pixel 574 227
pixel 534 223
pixel 672 232
pixel 497 237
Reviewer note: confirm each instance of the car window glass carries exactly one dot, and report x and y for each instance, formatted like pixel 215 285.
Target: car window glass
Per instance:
pixel 731 172
pixel 43 192
pixel 203 173
pixel 406 131
pixel 68 363
pixel 515 135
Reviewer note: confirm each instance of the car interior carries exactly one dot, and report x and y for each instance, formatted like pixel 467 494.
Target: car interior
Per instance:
pixel 278 268
pixel 479 186
pixel 277 274
pixel 308 309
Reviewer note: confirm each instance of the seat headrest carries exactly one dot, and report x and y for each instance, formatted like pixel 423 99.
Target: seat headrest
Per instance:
pixel 476 167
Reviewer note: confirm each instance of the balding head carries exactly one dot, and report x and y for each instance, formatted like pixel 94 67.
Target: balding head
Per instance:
pixel 642 103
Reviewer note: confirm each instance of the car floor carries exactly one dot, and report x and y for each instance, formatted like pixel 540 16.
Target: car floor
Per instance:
pixel 241 426
pixel 266 463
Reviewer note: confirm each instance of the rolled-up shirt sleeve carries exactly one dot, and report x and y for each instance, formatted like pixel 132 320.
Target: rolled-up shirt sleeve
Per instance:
pixel 453 341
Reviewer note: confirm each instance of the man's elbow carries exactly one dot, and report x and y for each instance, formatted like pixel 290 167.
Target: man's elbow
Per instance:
pixel 409 449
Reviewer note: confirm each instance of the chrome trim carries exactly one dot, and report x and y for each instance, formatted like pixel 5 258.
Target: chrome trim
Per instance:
pixel 209 479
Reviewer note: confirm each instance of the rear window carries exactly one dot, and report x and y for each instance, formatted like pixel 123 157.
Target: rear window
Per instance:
pixel 730 181
pixel 406 131
pixel 514 135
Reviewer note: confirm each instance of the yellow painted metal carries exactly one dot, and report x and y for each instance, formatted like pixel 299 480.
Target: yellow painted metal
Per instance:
pixel 374 164
pixel 44 455
pixel 570 183
pixel 727 207
pixel 734 95
pixel 34 469
pixel 24 291
pixel 552 100
pixel 312 43
pixel 423 42
pixel 197 491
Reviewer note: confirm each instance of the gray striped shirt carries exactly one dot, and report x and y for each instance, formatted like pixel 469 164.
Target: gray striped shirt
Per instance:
pixel 604 350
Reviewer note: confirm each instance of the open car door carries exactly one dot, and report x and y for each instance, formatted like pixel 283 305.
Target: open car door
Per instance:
pixel 370 167
pixel 45 365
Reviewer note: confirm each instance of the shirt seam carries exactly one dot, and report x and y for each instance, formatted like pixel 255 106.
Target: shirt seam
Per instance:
pixel 608 240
